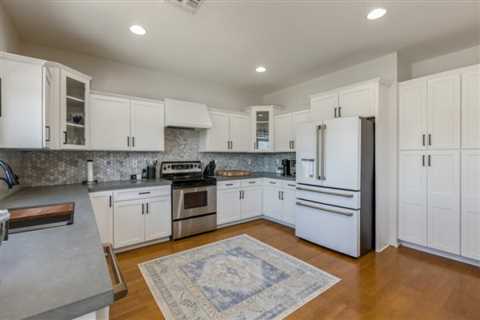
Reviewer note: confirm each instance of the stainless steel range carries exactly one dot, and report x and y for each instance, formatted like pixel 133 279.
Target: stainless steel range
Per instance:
pixel 194 198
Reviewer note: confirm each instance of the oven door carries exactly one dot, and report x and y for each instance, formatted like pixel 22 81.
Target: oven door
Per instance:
pixel 192 202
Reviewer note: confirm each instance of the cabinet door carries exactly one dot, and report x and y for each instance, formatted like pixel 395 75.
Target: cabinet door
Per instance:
pixel 471 109
pixel 128 223
pixel 413 197
pixel 471 204
pixel 103 209
pixel 251 203
pixel 218 135
pixel 413 115
pixel 158 222
pixel 148 126
pixel 298 119
pixel 443 112
pixel 21 123
pixel 74 111
pixel 263 129
pixel 228 206
pixel 324 107
pixel 52 107
pixel 283 133
pixel 359 101
pixel 240 133
pixel 289 206
pixel 109 123
pixel 444 201
pixel 272 203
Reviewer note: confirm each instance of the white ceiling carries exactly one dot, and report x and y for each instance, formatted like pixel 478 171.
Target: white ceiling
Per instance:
pixel 225 40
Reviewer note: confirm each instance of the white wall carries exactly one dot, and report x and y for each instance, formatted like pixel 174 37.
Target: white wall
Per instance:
pixel 9 40
pixel 298 96
pixel 386 67
pixel 453 60
pixel 115 77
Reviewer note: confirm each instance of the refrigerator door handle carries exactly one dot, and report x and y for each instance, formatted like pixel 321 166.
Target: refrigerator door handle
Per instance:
pixel 321 151
pixel 346 195
pixel 314 206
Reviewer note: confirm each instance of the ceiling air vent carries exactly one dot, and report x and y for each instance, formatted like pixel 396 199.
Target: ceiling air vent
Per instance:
pixel 190 5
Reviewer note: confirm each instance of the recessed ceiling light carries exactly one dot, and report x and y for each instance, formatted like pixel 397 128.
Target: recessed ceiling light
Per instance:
pixel 261 69
pixel 376 13
pixel 137 29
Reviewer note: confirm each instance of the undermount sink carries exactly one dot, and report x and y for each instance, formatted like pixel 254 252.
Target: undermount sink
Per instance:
pixel 40 217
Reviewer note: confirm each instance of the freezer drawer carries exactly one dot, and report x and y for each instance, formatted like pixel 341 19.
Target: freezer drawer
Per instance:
pixel 341 198
pixel 331 227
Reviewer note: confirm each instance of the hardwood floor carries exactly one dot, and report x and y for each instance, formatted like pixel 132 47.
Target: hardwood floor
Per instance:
pixel 395 284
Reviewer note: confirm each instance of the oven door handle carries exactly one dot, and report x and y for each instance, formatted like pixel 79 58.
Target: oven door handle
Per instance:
pixel 196 189
pixel 120 289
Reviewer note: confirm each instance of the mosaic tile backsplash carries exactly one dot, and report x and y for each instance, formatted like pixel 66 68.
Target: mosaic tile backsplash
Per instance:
pixel 65 167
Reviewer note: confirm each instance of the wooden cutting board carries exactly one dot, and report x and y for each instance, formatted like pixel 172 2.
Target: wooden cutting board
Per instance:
pixel 64 210
pixel 233 173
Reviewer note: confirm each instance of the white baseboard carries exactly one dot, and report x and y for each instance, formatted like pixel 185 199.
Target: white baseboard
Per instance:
pixel 140 245
pixel 440 253
pixel 229 224
pixel 278 221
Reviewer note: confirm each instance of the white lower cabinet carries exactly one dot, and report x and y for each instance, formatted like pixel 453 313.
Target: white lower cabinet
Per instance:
pixel 471 204
pixel 429 199
pixel 133 216
pixel 238 200
pixel 102 203
pixel 279 201
pixel 272 202
pixel 129 223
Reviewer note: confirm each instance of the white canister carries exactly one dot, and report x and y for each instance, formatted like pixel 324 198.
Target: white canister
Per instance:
pixel 90 171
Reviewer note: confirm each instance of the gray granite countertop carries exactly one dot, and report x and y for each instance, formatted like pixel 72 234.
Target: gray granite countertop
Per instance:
pixel 58 273
pixel 127 184
pixel 254 175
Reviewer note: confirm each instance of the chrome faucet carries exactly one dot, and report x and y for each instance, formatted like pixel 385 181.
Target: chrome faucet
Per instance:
pixel 9 176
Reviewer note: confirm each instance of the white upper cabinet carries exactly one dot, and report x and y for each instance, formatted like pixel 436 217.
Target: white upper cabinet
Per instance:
pixel 413 197
pixel 429 113
pixel 109 122
pixel 74 109
pixel 471 108
pixel 52 107
pixel 444 200
pixel 262 118
pixel 471 204
pixel 285 129
pixel 283 133
pixel 443 112
pixel 21 105
pixel 229 132
pixel 360 100
pixel 240 133
pixel 147 126
pixel 324 106
pixel 413 115
pixel 122 123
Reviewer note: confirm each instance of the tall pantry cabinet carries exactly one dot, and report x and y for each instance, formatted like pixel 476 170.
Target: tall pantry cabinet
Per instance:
pixel 439 166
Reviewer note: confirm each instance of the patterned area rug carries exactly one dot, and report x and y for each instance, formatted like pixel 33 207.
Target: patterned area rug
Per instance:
pixel 239 278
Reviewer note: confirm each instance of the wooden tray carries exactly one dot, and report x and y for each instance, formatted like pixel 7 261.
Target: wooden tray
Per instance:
pixel 42 212
pixel 233 173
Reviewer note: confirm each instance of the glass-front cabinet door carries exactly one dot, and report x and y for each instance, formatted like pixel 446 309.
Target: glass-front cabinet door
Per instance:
pixel 262 128
pixel 74 110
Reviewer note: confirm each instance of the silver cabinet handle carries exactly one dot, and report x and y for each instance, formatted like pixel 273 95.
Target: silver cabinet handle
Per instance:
pixel 143 208
pixel 133 142
pixel 279 196
pixel 272 182
pixel 145 192
pixel 64 137
pixel 429 139
pixel 128 141
pixel 339 111
pixel 429 160
pixel 423 139
pixel 313 206
pixel 229 184
pixel 110 201
pixel 423 160
pixel 335 112
pixel 331 193
pixel 148 208
pixel 252 182
pixel 47 133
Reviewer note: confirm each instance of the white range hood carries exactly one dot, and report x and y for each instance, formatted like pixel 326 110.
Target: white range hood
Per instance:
pixel 186 114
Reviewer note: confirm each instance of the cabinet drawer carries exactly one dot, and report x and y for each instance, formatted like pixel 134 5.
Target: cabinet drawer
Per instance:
pixel 289 184
pixel 141 193
pixel 251 182
pixel 231 184
pixel 273 183
pixel 347 199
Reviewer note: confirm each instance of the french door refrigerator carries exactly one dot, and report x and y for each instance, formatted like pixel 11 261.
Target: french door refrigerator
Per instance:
pixel 335 197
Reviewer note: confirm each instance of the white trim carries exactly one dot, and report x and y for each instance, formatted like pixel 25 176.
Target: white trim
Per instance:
pixel 462 70
pixel 440 253
pixel 378 81
pixel 141 245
